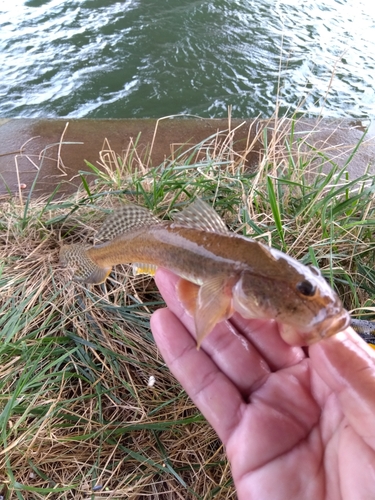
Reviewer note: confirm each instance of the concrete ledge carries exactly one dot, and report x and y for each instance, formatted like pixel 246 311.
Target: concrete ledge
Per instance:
pixel 66 144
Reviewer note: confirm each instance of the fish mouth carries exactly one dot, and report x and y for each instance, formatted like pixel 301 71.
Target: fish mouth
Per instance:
pixel 330 326
pixel 324 329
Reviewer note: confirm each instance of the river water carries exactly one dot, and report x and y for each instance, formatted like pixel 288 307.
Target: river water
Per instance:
pixel 152 58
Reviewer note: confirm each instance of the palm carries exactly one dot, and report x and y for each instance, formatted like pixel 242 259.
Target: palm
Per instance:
pixel 294 427
pixel 287 440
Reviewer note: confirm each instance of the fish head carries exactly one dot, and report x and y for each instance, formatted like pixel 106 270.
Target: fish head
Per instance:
pixel 304 305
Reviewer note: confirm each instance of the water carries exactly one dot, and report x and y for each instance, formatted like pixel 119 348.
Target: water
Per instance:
pixel 151 58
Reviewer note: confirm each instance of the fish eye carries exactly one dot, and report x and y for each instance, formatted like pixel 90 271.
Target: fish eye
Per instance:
pixel 306 288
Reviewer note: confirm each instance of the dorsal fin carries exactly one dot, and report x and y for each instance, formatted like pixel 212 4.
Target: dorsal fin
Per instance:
pixel 123 220
pixel 199 215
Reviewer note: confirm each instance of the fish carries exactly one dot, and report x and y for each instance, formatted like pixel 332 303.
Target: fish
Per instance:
pixel 220 272
pixel 365 329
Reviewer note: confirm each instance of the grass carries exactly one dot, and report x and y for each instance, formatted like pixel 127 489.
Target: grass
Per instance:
pixel 79 418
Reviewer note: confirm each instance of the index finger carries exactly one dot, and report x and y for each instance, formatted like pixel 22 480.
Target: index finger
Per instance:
pixel 214 394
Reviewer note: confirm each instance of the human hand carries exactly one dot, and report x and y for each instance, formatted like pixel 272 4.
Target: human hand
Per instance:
pixel 294 427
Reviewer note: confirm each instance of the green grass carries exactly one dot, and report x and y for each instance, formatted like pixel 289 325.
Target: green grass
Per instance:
pixel 78 419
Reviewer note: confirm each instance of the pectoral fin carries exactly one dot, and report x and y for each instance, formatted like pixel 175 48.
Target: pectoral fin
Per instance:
pixel 208 304
pixel 187 293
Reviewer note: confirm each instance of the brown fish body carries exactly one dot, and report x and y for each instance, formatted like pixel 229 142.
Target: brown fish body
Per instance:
pixel 225 272
pixel 178 248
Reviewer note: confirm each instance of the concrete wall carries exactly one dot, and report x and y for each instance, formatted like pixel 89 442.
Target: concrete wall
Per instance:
pixel 58 148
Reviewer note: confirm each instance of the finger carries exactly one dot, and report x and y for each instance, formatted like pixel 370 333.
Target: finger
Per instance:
pixel 277 353
pixel 212 392
pixel 347 365
pixel 167 284
pixel 233 354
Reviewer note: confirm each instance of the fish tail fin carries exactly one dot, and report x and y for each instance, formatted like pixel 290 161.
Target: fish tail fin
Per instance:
pixel 125 219
pixel 85 269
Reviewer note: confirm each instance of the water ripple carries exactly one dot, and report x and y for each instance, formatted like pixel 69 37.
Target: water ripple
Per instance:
pixel 107 58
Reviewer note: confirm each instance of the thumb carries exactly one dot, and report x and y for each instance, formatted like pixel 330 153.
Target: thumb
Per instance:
pixel 347 365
